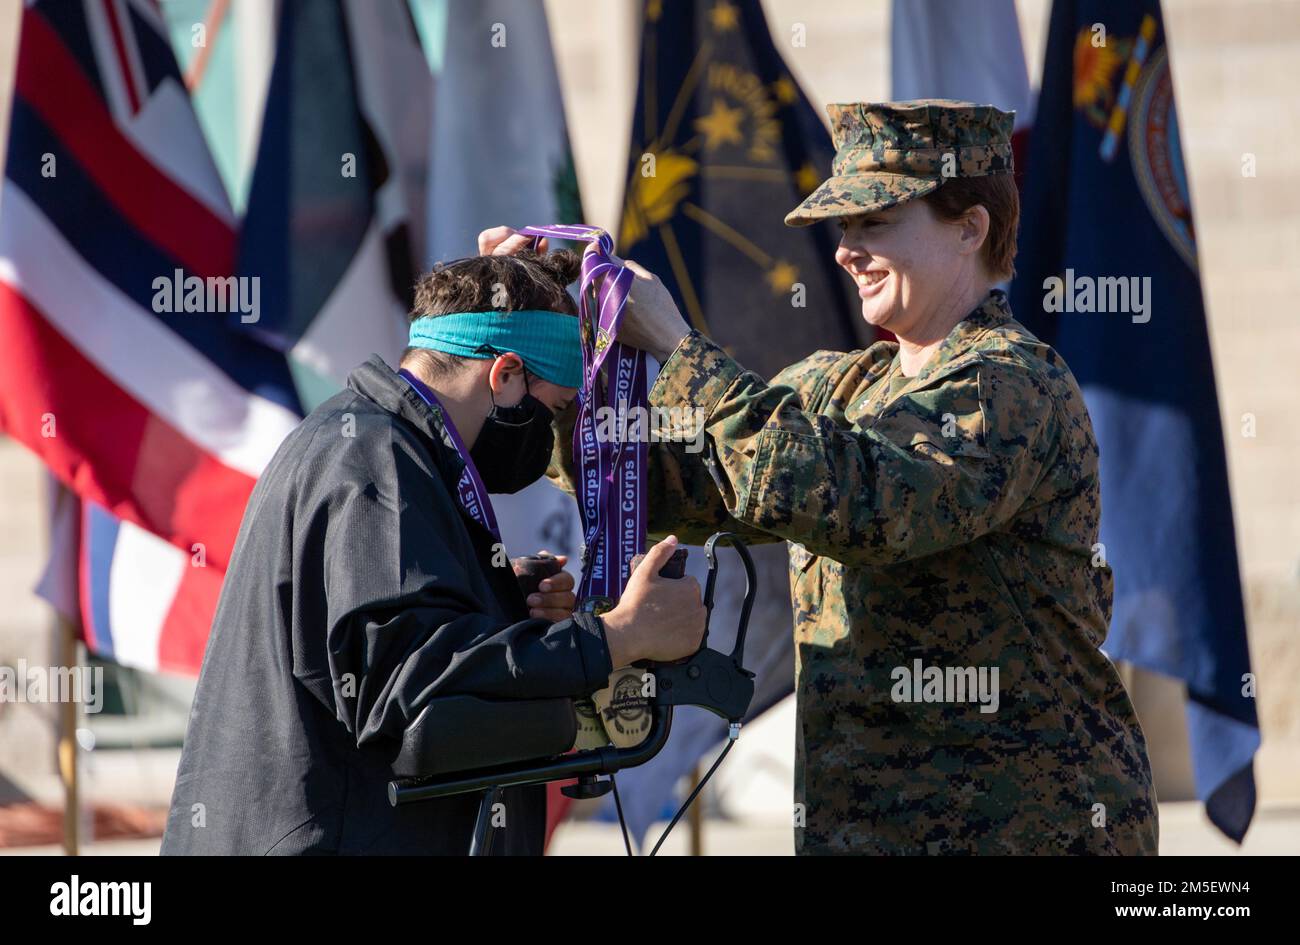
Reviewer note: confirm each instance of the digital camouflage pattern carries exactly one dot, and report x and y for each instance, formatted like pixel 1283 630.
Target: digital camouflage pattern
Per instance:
pixel 952 522
pixel 889 153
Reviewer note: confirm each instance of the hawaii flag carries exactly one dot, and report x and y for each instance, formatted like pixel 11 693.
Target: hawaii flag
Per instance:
pixel 160 419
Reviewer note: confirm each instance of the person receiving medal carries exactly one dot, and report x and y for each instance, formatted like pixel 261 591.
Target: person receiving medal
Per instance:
pixel 369 580
pixel 941 500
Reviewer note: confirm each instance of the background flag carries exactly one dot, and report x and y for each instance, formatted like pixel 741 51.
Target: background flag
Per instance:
pixel 327 228
pixel 160 419
pixel 1107 197
pixel 143 602
pixel 225 49
pixel 964 51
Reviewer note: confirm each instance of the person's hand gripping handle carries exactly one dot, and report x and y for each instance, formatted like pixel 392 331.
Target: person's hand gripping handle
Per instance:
pixel 660 616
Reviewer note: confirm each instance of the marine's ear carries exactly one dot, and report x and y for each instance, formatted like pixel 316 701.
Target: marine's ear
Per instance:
pixel 973 229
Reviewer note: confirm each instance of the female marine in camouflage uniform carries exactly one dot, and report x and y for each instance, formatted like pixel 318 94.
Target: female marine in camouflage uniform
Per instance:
pixel 940 495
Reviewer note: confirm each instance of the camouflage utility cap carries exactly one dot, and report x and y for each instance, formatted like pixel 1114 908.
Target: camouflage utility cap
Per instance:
pixel 890 152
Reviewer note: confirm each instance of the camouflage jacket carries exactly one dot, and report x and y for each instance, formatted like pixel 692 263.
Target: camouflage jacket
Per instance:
pixel 942 550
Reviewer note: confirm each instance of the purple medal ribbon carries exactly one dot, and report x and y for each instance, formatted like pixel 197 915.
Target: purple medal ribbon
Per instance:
pixel 611 474
pixel 471 492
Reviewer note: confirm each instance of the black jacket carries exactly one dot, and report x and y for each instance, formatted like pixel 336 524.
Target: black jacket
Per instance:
pixel 359 589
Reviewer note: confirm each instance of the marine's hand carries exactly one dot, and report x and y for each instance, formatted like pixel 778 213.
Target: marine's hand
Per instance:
pixel 651 321
pixel 506 241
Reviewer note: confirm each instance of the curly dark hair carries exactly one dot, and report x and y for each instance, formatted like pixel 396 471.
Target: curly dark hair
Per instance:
pixel 525 280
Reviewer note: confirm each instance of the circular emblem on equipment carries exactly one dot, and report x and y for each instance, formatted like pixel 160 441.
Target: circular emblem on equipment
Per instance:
pixel 624 711
pixel 1157 155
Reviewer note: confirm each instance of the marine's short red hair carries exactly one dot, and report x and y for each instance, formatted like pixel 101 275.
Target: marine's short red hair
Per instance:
pixel 999 196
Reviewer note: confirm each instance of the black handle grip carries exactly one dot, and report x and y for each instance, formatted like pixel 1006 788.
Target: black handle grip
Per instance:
pixel 675 567
pixel 531 570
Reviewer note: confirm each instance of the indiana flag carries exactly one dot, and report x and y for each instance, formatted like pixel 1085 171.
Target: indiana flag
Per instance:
pixel 1107 274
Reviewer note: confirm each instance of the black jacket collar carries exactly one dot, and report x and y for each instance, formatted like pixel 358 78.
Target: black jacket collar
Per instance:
pixel 377 382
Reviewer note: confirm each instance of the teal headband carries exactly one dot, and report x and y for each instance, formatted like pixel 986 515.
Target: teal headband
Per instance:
pixel 547 342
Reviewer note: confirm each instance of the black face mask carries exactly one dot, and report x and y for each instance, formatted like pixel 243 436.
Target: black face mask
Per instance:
pixel 514 447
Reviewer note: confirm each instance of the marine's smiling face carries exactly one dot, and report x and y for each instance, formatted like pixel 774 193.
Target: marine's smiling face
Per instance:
pixel 904 261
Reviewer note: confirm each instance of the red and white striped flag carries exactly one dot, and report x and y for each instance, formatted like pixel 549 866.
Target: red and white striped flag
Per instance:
pixel 160 416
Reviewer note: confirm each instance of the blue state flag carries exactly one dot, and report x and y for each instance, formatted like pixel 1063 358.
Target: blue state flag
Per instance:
pixel 1107 274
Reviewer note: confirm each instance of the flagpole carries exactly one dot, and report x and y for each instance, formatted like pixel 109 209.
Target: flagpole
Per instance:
pixel 68 767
